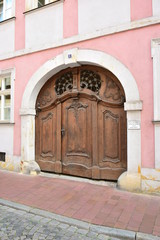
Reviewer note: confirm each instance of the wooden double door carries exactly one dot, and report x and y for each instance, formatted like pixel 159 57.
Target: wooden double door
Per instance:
pixel 81 124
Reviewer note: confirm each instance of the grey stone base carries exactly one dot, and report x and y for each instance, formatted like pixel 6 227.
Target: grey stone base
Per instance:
pixel 30 167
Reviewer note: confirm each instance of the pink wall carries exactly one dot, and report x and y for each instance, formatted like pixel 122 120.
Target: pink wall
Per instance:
pixel 132 48
pixel 20 25
pixel 70 18
pixel 141 9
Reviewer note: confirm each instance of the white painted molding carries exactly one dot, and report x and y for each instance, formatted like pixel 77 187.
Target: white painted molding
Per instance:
pixel 29 111
pixel 155 50
pixel 78 38
pixel 155 42
pixel 11 72
pixel 133 106
pixel 155 7
pixel 27 138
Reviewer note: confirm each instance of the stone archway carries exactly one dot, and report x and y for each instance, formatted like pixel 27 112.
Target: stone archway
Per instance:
pixel 72 58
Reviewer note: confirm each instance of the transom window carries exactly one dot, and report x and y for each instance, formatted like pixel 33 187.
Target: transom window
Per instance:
pixel 64 83
pixel 88 79
pixel 5 98
pixel 6 9
pixel 30 4
pixel 41 3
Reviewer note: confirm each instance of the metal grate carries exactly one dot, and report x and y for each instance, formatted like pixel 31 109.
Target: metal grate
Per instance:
pixel 90 80
pixel 2 156
pixel 64 83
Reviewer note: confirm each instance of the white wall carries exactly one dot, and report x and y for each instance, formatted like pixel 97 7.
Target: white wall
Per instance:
pixel 98 14
pixel 156 7
pixel 7 31
pixel 44 25
pixel 6 138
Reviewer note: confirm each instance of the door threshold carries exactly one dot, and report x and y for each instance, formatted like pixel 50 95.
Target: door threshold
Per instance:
pixel 80 179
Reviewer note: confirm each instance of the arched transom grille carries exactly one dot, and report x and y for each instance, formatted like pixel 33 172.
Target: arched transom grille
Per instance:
pixel 90 80
pixel 64 83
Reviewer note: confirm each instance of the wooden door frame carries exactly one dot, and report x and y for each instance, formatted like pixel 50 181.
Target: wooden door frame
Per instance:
pixel 72 58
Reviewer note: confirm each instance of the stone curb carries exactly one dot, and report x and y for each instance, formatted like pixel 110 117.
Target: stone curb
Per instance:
pixel 60 218
pixel 143 236
pixel 111 232
pixel 15 205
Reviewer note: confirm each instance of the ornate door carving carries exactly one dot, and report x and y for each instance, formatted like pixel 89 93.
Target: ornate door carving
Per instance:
pixel 46 142
pixel 81 124
pixel 76 147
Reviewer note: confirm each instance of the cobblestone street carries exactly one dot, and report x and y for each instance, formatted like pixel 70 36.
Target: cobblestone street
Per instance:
pixel 20 225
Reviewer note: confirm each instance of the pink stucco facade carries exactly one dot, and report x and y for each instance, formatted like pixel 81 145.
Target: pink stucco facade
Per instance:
pixel 140 10
pixel 130 45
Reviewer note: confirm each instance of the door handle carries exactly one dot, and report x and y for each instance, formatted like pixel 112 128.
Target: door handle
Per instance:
pixel 62 132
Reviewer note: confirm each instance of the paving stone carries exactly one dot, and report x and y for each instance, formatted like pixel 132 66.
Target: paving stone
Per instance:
pixel 69 234
pixel 92 234
pixel 4 238
pixel 64 226
pixel 23 225
pixel 82 231
pixel 44 220
pixel 37 218
pixel 72 229
pixel 103 237
pixel 65 238
pixel 22 238
pixel 49 238
pixel 54 223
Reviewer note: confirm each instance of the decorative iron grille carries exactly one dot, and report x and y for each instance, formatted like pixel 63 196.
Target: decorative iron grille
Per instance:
pixel 64 83
pixel 90 80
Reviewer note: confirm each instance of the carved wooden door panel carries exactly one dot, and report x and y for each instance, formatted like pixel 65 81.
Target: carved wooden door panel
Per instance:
pixel 48 129
pixel 46 152
pixel 111 142
pixel 77 137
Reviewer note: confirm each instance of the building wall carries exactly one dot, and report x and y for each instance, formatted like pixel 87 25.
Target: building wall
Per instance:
pixel 7 33
pixel 44 25
pixel 45 34
pixel 6 138
pixel 156 8
pixel 129 43
pixel 101 14
pixel 141 9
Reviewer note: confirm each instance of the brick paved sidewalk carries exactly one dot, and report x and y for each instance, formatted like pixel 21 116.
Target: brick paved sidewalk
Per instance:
pixel 84 201
pixel 20 222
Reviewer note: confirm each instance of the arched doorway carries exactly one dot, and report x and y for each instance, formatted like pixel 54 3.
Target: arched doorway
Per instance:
pixel 81 124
